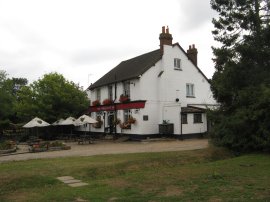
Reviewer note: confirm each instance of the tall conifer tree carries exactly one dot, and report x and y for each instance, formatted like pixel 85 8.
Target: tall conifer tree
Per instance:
pixel 241 82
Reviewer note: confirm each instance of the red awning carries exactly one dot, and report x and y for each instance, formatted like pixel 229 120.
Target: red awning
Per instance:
pixel 118 106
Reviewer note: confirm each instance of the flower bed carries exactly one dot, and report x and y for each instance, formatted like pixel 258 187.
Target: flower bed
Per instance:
pixel 48 146
pixel 7 147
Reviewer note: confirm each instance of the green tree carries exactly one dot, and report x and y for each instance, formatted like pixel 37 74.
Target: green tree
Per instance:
pixel 241 82
pixel 51 97
pixel 7 100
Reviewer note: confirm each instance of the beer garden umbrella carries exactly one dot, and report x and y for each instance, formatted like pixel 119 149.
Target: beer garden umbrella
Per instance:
pixel 68 121
pixel 84 119
pixel 58 122
pixel 36 123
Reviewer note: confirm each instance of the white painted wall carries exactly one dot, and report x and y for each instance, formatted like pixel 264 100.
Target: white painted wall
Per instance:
pixel 160 94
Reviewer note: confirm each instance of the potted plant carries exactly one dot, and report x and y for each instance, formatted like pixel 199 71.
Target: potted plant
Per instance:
pixel 96 103
pixel 124 98
pixel 107 102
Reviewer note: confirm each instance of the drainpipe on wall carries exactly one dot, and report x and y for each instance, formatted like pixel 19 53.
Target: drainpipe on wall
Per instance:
pixel 181 126
pixel 104 121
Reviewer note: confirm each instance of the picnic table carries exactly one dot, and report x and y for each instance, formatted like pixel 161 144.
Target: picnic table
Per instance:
pixel 85 138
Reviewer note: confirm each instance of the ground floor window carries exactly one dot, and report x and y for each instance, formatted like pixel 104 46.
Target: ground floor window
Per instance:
pixel 99 120
pixel 197 118
pixel 127 115
pixel 184 118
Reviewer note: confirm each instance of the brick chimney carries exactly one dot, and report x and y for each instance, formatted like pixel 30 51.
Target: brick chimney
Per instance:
pixel 165 38
pixel 192 54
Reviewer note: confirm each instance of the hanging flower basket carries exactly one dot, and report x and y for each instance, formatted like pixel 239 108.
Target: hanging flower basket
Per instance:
pixel 107 102
pixel 96 103
pixel 98 124
pixel 125 125
pixel 124 98
pixel 116 122
pixel 131 120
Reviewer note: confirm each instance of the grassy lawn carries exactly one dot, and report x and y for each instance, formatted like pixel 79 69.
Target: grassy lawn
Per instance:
pixel 202 175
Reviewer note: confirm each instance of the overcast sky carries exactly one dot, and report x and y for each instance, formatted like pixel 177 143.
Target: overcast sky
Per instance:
pixel 84 39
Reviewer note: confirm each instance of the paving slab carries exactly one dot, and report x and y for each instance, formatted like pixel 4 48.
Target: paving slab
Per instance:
pixel 63 178
pixel 79 184
pixel 71 181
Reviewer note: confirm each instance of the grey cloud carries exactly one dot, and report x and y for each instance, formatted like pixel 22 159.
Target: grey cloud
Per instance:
pixel 195 13
pixel 91 56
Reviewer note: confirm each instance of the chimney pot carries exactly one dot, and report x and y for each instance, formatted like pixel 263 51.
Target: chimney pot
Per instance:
pixel 165 38
pixel 192 54
pixel 163 29
pixel 167 30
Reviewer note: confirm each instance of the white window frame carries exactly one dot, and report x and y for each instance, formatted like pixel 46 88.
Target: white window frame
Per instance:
pixel 177 63
pixel 190 90
pixel 195 119
pixel 98 94
pixel 126 88
pixel 110 92
pixel 127 114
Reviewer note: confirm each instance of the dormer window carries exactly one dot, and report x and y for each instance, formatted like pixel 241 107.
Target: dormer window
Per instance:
pixel 177 64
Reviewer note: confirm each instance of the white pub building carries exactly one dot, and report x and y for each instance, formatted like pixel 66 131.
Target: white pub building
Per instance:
pixel 159 93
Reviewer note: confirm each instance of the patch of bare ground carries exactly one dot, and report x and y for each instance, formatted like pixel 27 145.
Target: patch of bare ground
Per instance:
pixel 80 200
pixel 20 196
pixel 215 199
pixel 117 183
pixel 172 191
pixel 113 199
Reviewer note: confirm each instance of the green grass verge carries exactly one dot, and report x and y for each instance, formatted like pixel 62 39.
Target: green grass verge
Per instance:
pixel 202 175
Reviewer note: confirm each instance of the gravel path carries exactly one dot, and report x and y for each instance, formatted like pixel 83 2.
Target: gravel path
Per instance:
pixel 102 147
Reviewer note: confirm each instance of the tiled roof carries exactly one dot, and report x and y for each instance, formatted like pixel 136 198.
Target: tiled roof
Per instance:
pixel 129 69
pixel 192 110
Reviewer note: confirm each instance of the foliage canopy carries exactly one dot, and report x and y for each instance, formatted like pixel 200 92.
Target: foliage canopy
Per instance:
pixel 241 82
pixel 51 97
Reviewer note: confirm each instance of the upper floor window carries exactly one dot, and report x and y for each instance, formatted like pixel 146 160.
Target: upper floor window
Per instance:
pixel 177 64
pixel 126 86
pixel 127 115
pixel 110 92
pixel 190 90
pixel 98 94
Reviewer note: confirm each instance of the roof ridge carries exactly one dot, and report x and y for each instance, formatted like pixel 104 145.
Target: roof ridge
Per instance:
pixel 141 55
